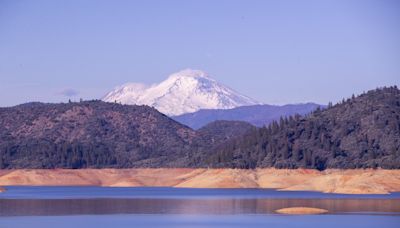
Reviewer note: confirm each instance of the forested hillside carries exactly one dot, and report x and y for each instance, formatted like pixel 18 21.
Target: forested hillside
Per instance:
pixel 360 132
pixel 99 134
pixel 89 134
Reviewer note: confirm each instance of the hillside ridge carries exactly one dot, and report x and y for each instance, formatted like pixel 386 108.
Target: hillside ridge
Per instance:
pixel 359 132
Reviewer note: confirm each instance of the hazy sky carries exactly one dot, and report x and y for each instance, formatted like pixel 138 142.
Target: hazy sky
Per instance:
pixel 274 51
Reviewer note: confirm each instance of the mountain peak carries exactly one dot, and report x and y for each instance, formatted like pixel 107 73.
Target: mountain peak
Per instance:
pixel 189 73
pixel 182 92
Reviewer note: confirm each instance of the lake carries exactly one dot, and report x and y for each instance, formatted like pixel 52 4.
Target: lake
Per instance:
pixel 181 207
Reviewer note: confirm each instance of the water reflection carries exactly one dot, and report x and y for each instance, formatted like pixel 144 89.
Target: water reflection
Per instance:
pixel 19 207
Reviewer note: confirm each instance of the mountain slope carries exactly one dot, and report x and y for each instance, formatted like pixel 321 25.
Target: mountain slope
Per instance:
pixel 88 134
pixel 361 132
pixel 183 92
pixel 258 115
pixel 211 136
pixel 99 134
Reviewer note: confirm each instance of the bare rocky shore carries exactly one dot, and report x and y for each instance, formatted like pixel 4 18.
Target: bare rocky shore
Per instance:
pixel 357 181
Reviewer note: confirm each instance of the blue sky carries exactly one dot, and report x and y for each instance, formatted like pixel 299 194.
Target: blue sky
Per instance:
pixel 274 51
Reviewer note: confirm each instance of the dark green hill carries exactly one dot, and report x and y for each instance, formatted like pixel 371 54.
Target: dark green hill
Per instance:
pixel 360 132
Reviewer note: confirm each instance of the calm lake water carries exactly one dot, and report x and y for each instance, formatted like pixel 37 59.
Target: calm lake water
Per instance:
pixel 175 207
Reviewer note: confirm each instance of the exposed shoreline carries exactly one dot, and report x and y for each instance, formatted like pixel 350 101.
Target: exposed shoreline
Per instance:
pixel 357 181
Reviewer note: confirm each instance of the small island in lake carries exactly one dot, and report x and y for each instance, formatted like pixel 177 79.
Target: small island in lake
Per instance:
pixel 301 211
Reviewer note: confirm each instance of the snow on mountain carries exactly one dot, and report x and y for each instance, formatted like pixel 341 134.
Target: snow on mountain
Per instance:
pixel 182 92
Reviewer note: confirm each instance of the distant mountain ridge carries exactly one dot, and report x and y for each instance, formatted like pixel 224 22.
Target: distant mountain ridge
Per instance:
pixel 258 115
pixel 182 92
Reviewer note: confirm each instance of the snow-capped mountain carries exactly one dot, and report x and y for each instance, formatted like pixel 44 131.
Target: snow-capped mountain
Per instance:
pixel 182 92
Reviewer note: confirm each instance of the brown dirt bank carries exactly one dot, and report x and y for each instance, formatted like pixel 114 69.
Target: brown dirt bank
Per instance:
pixel 301 211
pixel 357 181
